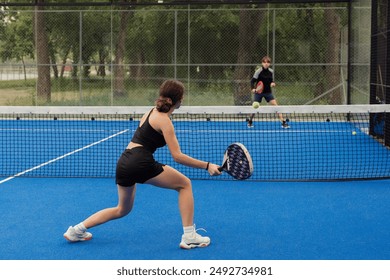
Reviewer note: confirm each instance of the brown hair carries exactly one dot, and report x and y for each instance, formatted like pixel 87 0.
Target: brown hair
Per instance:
pixel 266 59
pixel 171 91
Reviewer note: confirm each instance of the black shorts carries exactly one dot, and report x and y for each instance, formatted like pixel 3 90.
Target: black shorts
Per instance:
pixel 136 165
pixel 267 96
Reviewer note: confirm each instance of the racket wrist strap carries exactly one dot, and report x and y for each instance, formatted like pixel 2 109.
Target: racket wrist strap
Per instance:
pixel 207 166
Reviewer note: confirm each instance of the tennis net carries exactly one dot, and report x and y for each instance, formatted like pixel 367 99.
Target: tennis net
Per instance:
pixel 322 143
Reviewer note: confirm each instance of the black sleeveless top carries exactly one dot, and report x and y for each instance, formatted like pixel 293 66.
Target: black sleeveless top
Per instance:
pixel 149 138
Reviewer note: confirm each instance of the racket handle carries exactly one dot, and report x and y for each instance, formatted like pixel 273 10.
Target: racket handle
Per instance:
pixel 220 168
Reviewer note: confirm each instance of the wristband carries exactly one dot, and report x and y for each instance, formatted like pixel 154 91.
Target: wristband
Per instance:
pixel 207 167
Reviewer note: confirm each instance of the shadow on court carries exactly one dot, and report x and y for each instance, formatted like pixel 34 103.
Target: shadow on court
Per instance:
pixel 245 220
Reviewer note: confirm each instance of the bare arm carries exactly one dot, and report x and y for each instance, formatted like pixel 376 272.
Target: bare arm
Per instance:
pixel 168 131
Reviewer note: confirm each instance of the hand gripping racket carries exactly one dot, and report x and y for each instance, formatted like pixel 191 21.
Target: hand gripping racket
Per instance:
pixel 237 162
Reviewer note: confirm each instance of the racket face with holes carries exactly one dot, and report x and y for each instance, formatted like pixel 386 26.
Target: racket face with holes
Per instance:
pixel 237 162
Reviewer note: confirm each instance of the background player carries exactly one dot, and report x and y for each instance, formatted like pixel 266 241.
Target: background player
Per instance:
pixel 266 75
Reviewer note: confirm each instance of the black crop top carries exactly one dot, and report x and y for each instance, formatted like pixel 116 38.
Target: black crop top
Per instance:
pixel 148 137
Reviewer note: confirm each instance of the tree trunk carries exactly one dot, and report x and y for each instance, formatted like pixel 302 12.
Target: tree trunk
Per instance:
pixel 315 48
pixel 332 23
pixel 64 62
pixel 24 69
pixel 118 67
pixel 53 62
pixel 250 23
pixel 101 68
pixel 43 55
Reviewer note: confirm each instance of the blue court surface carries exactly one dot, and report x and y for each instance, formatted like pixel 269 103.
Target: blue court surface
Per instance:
pixel 245 220
pixel 282 213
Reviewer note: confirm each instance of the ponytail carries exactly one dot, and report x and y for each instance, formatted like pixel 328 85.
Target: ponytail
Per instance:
pixel 163 104
pixel 171 92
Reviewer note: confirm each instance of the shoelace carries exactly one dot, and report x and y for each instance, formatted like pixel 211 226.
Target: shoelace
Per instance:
pixel 196 229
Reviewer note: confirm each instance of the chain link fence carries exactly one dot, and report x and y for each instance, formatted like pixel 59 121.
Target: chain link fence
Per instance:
pixel 119 57
pixel 360 56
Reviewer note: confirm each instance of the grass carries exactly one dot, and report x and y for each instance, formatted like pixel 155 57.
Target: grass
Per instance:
pixel 98 92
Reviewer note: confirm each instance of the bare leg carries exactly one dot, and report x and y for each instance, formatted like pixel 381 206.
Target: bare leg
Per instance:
pixel 173 179
pixel 126 197
pixel 274 103
pixel 250 120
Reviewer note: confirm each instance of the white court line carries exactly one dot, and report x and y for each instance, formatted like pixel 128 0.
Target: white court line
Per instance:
pixel 249 131
pixel 33 130
pixel 63 156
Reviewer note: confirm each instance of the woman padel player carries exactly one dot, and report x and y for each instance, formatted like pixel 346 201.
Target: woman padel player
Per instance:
pixel 137 165
pixel 266 75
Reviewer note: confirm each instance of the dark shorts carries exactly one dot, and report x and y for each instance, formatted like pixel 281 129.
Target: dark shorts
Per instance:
pixel 136 165
pixel 259 97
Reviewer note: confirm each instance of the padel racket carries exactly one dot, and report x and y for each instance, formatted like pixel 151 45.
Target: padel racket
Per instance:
pixel 259 87
pixel 237 162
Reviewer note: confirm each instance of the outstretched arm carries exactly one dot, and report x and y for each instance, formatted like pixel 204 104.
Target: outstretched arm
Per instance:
pixel 179 157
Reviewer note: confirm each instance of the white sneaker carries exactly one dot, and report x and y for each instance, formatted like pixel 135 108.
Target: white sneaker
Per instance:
pixel 196 240
pixel 249 123
pixel 285 125
pixel 72 236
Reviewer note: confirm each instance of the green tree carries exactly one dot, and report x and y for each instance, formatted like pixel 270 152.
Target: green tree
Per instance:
pixel 63 30
pixel 17 38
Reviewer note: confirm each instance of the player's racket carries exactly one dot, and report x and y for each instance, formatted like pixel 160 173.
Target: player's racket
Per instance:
pixel 259 87
pixel 237 162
